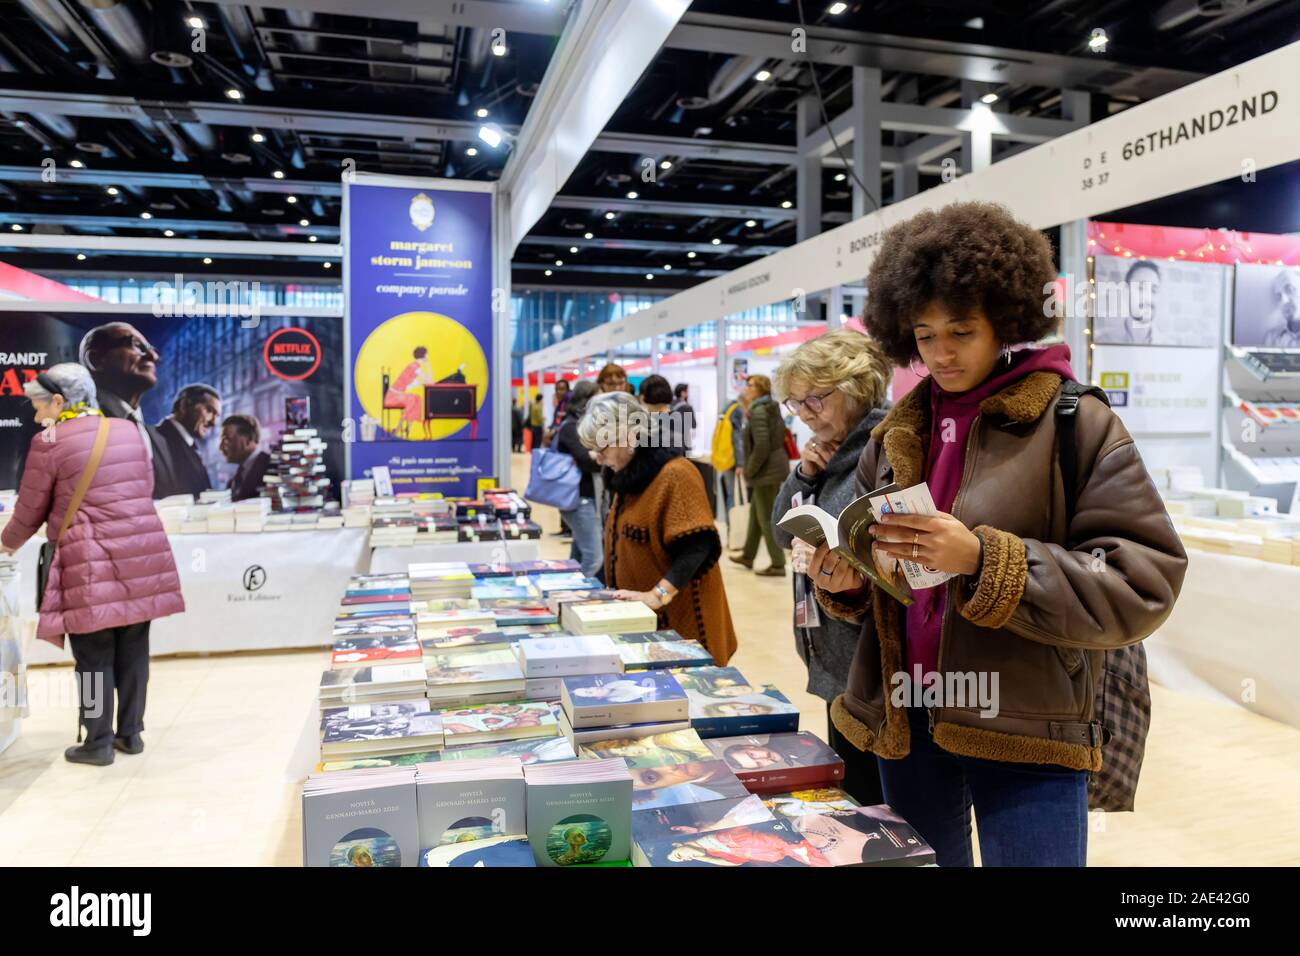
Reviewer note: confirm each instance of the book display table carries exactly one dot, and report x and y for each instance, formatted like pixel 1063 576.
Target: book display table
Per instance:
pixel 242 591
pixel 397 559
pixel 1235 622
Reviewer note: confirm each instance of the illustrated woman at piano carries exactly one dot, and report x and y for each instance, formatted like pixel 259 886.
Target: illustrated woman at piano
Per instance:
pixel 411 403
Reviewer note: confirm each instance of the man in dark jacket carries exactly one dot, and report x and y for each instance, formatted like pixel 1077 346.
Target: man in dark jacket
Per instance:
pixel 177 467
pixel 240 435
pixel 124 366
pixel 766 468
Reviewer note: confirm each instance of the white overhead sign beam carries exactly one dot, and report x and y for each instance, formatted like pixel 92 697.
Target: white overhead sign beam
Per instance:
pixel 603 51
pixel 1232 124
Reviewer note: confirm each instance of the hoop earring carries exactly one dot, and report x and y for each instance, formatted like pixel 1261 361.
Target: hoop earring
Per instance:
pixel 911 367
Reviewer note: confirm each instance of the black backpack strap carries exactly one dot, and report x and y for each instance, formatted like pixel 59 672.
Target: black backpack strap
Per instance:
pixel 1068 451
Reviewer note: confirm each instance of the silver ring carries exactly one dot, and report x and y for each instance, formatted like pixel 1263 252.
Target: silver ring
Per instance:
pixel 825 572
pixel 914 551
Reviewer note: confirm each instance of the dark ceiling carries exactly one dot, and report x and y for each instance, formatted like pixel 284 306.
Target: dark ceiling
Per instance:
pixel 237 127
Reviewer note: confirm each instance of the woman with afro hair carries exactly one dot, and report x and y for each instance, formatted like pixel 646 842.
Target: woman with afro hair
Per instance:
pixel 1051 570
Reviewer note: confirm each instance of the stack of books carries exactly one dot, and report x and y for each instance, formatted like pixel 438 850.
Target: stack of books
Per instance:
pixel 725 704
pixel 520 529
pixel 440 579
pixel 802 803
pixel 488 723
pixel 513 569
pixel 567 655
pixel 221 519
pixel 431 624
pixel 215 496
pixel 535 750
pixel 387 684
pixel 473 677
pixel 774 763
pixel 361 818
pixel 295 479
pixel 557 599
pixel 551 583
pixel 654 655
pixel 436 529
pixel 506 503
pixel 251 514
pixel 616 700
pixel 397 532
pixel 469 800
pixel 386 644
pixel 684 818
pixel 359 493
pixel 363 730
pixel 579 812
pixel 607 617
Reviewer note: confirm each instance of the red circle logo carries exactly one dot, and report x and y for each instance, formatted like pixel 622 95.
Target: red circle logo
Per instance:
pixel 292 354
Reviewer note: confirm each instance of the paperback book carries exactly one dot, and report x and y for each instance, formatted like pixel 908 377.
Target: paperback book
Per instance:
pixel 362 818
pixel 772 763
pixel 768 843
pixel 655 750
pixel 698 817
pixel 464 800
pixel 375 627
pixel 360 651
pixel 371 729
pixel 695 782
pixel 371 684
pixel 655 655
pixel 494 722
pixel 493 851
pixel 802 803
pixel 516 568
pixel 579 812
pixel 605 700
pixel 590 735
pixel 524 617
pixel 647 637
pixel 471 637
pixel 567 656
pixel 725 704
pixel 536 750
pixel 607 617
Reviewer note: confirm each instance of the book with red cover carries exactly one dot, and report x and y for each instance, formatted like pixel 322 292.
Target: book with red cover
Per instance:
pixel 774 763
pixel 360 651
pixel 398 597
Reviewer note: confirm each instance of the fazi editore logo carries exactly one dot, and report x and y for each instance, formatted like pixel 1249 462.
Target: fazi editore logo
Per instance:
pixel 74 909
pixel 254 577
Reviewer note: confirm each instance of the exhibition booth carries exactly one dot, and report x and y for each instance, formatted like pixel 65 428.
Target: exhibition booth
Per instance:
pixel 388 526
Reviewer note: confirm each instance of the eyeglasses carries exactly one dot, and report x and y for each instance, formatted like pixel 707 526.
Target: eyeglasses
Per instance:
pixel 815 403
pixel 139 345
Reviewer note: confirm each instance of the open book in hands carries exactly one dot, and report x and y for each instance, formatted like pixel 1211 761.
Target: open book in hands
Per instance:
pixel 848 535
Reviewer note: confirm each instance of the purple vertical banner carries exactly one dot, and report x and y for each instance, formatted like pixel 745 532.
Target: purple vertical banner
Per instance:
pixel 419 314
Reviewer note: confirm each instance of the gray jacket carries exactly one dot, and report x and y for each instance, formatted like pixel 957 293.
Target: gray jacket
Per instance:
pixel 738 434
pixel 828 650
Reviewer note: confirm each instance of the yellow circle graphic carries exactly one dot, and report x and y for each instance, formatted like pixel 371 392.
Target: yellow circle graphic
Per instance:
pixel 453 351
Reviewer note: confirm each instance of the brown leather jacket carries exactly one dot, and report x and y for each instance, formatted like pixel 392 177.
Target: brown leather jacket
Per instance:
pixel 1048 601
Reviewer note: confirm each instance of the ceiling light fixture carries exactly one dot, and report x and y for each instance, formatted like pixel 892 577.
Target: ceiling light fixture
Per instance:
pixel 234 94
pixel 111 190
pixel 787 204
pixel 277 174
pixel 472 151
pixel 1097 41
pixel 609 215
pixel 717 242
pixel 668 268
pixel 666 164
pixel 329 265
pixel 490 134
pixel 763 76
pixel 549 272
pixel 290 199
pixel 750 223
pixel 196 23
pixel 76 164
pixel 835 9
pixel 207 261
pixel 573 248
pixel 81 257
pixel 312 239
pixel 633 194
pixel 988 99
pixel 304 222
pixel 690 255
pixel 481 113
pixel 146 215
pixel 258 138
pixel 649 275
pixel 499 48
pixel 840 177
pixel 168 233
pixel 588 235
pixel 16 228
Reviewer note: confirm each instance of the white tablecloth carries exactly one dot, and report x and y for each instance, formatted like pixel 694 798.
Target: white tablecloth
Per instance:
pixel 1234 635
pixel 388 560
pixel 243 591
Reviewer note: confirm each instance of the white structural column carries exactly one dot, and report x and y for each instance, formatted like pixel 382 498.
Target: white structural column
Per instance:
pixel 605 47
pixel 977 141
pixel 1076 105
pixel 868 149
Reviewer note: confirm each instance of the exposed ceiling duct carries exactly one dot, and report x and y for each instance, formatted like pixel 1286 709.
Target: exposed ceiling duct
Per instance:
pixel 120 25
pixel 731 76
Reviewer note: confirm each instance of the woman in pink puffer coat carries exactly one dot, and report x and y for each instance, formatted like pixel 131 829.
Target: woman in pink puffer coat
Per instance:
pixel 113 570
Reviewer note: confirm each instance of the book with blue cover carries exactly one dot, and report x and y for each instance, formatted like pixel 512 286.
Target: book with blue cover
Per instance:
pixel 605 700
pixel 464 800
pixel 724 703
pixel 493 851
pixel 647 637
pixel 524 617
pixel 550 583
pixel 361 818
pixel 695 782
pixel 500 589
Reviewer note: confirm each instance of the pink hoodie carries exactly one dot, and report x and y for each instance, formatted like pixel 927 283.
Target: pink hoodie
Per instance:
pixel 954 413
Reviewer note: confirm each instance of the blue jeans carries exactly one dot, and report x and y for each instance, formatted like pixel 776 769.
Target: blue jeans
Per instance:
pixel 1028 814
pixel 584 522
pixel 728 481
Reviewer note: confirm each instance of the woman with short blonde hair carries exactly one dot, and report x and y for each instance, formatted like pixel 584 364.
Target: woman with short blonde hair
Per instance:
pixel 836 384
